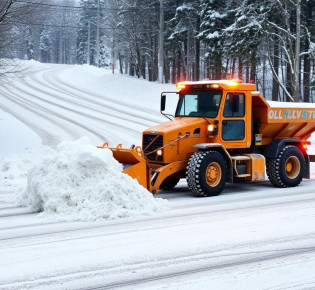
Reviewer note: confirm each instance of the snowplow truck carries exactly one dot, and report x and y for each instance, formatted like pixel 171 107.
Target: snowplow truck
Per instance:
pixel 222 131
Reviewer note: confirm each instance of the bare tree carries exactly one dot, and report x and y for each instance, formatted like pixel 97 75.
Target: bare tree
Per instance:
pixel 287 32
pixel 12 13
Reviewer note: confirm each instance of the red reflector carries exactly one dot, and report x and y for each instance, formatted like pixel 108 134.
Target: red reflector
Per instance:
pixel 305 143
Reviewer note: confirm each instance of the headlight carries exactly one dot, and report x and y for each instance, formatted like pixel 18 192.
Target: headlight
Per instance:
pixel 211 127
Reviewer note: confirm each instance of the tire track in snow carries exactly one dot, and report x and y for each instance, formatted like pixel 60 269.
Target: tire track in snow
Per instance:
pixel 102 98
pixel 210 266
pixel 66 86
pixel 40 110
pixel 275 198
pixel 165 268
pixel 170 221
pixel 88 102
pixel 46 136
pixel 80 113
pixel 19 99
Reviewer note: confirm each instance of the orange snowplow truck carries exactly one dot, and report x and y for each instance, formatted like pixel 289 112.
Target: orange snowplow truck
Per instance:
pixel 222 131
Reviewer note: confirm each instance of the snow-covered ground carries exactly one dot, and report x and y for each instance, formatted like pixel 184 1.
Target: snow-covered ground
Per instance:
pixel 252 236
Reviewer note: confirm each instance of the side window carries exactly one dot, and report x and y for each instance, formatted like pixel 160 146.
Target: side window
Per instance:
pixel 234 105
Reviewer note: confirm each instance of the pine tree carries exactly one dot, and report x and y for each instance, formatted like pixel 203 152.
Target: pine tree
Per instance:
pixel 87 32
pixel 213 21
pixel 184 30
pixel 45 46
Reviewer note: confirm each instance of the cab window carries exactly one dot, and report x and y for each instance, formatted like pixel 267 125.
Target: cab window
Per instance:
pixel 234 105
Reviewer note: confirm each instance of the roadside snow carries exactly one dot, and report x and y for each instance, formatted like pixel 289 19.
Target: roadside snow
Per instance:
pixel 15 136
pixel 14 169
pixel 78 181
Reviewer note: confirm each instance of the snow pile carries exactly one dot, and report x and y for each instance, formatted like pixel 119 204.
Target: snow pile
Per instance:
pixel 78 181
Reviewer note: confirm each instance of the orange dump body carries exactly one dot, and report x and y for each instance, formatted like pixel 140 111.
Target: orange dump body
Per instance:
pixel 295 121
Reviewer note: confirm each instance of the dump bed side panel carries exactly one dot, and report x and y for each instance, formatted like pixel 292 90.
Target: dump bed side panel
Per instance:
pixel 287 122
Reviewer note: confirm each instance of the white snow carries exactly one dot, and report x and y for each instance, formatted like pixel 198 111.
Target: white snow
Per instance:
pixel 275 104
pixel 79 181
pixel 15 136
pixel 252 236
pixel 14 169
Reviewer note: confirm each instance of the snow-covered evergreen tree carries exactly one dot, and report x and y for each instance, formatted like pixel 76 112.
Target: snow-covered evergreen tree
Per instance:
pixel 183 28
pixel 45 45
pixel 88 24
pixel 213 21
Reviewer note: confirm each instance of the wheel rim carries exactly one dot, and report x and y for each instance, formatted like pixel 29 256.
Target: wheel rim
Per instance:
pixel 292 167
pixel 213 174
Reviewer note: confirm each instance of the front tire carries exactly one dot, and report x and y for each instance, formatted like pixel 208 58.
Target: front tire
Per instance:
pixel 287 169
pixel 206 173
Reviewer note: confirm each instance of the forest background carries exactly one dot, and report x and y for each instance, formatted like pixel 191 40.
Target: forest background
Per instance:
pixel 268 42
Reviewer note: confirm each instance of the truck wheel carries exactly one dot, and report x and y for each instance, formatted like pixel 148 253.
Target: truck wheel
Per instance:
pixel 206 173
pixel 168 184
pixel 287 169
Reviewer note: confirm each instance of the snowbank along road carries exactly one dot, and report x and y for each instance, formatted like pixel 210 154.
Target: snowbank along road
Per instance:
pixel 252 236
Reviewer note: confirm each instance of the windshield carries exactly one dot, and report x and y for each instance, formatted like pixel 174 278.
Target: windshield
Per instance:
pixel 202 103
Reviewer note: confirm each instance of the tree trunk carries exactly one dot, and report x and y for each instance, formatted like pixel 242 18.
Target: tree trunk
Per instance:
pixel 174 67
pixel 240 68
pixel 120 57
pixel 233 69
pixel 247 72
pixel 253 66
pixel 218 67
pixel 197 44
pixel 288 82
pixel 166 70
pixel 307 59
pixel 275 83
pixel 179 58
pixel 296 78
pixel 126 61
pixel 142 67
pixel 184 59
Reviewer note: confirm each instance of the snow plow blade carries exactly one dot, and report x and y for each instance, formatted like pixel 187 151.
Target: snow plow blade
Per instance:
pixel 133 161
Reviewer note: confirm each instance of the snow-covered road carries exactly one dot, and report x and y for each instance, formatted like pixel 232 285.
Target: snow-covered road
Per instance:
pixel 252 236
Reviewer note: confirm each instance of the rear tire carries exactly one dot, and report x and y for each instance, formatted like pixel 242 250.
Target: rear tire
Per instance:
pixel 206 173
pixel 287 169
pixel 169 184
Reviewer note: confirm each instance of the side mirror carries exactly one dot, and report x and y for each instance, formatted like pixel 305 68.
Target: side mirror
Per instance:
pixel 163 101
